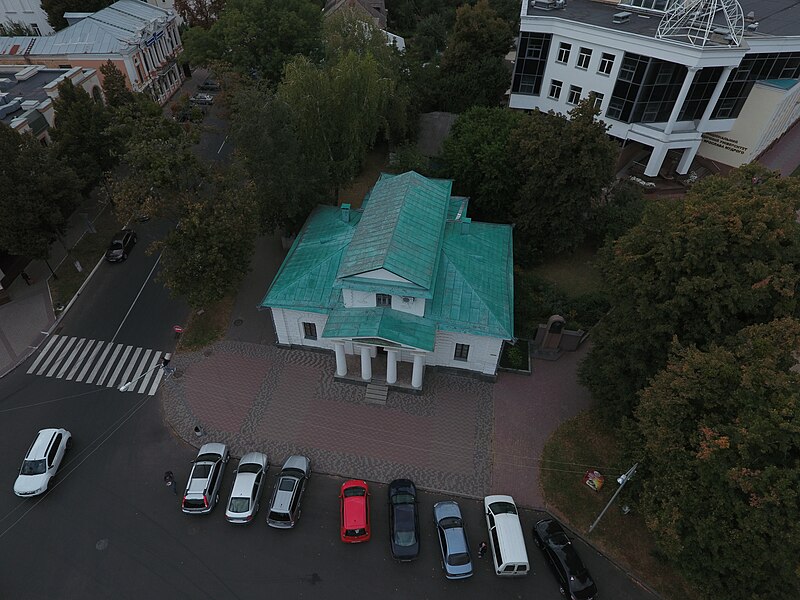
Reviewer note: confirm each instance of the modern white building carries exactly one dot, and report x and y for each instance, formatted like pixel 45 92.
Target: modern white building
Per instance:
pixel 25 12
pixel 141 40
pixel 408 278
pixel 718 78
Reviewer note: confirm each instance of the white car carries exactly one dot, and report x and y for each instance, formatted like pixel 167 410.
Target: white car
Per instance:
pixel 42 461
pixel 202 488
pixel 247 486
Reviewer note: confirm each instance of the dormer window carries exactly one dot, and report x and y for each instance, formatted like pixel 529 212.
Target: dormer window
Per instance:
pixel 383 300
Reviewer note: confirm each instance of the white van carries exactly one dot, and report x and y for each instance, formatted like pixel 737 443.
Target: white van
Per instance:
pixel 505 536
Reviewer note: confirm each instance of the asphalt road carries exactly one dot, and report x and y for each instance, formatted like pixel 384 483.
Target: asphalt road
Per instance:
pixel 110 528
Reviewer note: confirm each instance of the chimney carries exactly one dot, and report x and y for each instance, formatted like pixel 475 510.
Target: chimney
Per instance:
pixel 465 225
pixel 346 213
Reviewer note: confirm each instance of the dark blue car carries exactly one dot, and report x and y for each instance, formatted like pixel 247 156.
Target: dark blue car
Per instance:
pixel 403 520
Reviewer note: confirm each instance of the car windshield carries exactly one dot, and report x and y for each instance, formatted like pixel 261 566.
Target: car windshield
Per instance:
pixel 402 499
pixel 33 467
pixel 116 244
pixel 458 560
pixel 499 508
pixel 278 516
pixel 355 532
pixel 286 484
pixel 249 468
pixel 405 538
pixel 449 522
pixel 239 505
pixel 201 471
pixel 355 491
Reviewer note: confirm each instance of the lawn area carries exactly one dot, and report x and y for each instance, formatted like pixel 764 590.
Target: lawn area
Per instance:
pixel 87 251
pixel 581 444
pixel 574 274
pixel 208 326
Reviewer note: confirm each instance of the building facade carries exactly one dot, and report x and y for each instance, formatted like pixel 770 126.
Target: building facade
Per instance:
pixel 408 277
pixel 141 40
pixel 710 77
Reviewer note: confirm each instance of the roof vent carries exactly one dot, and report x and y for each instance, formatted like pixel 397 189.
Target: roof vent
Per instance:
pixel 29 104
pixel 752 26
pixel 621 17
pixel 547 4
pixel 345 212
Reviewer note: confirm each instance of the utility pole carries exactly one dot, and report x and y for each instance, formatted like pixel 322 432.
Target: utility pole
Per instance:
pixel 621 480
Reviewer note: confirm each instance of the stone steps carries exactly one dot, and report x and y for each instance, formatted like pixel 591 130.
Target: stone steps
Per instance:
pixel 376 393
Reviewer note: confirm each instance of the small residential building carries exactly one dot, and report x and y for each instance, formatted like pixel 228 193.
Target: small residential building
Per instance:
pixel 25 12
pixel 27 93
pixel 715 78
pixel 374 10
pixel 406 279
pixel 141 40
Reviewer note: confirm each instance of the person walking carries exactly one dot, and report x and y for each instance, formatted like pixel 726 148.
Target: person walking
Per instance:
pixel 26 278
pixel 482 548
pixel 169 480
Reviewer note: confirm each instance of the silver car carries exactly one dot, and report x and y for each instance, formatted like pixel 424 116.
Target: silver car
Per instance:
pixel 42 461
pixel 284 507
pixel 456 557
pixel 246 492
pixel 202 489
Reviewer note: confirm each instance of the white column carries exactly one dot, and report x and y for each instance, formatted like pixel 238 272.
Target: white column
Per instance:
pixel 366 364
pixel 416 373
pixel 687 83
pixel 391 366
pixel 341 361
pixel 712 102
pixel 686 159
pixel 656 160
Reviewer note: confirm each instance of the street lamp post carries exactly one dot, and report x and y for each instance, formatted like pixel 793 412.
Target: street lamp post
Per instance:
pixel 163 365
pixel 622 480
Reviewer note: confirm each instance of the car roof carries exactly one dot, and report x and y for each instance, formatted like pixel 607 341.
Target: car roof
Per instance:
pixel 456 540
pixel 41 443
pixel 212 448
pixel 243 484
pixel 297 462
pixel 355 512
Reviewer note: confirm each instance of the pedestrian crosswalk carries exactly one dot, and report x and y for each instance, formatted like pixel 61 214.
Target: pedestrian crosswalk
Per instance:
pixel 99 363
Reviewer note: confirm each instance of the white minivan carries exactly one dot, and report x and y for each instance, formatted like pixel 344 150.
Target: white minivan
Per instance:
pixel 505 536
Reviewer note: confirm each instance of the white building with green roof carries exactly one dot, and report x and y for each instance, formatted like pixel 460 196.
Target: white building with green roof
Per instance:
pixel 408 275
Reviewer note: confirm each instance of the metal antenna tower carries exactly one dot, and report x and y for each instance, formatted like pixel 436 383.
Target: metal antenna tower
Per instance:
pixel 700 22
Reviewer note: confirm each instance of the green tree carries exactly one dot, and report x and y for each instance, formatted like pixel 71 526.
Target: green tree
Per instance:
pixel 698 269
pixel 615 212
pixel 207 257
pixel 257 37
pixel 115 87
pixel 476 155
pixel 338 110
pixel 721 463
pixel 288 181
pixel 16 28
pixel 81 137
pixel 562 165
pixel 39 193
pixel 473 65
pixel 199 13
pixel 55 9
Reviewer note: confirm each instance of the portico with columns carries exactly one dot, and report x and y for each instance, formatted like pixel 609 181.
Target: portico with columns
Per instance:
pixel 406 282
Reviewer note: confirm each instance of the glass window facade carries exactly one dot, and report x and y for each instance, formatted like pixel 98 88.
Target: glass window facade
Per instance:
pixel 531 63
pixel 700 93
pixel 651 4
pixel 754 67
pixel 645 90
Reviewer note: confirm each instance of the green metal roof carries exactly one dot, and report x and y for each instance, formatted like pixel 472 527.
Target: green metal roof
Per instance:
pixel 305 279
pixel 475 284
pixel 376 325
pixel 401 229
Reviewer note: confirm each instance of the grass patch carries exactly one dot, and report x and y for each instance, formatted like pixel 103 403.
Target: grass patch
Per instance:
pixel 515 356
pixel 574 274
pixel 87 251
pixel 208 327
pixel 625 538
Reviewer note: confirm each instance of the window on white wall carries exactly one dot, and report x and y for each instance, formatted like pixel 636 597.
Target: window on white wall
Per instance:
pixel 563 52
pixel 584 57
pixel 462 352
pixel 555 89
pixel 309 331
pixel 383 300
pixel 598 99
pixel 606 64
pixel 574 95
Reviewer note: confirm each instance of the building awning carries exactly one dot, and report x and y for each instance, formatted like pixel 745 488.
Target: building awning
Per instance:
pixel 381 326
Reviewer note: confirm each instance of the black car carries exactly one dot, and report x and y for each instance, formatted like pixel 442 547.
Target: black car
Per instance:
pixel 403 519
pixel 209 85
pixel 121 244
pixel 575 581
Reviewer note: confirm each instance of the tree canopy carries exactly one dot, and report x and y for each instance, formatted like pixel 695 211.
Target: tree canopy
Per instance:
pixel 721 462
pixel 257 37
pixel 115 87
pixel 199 13
pixel 39 193
pixel 698 269
pixel 55 9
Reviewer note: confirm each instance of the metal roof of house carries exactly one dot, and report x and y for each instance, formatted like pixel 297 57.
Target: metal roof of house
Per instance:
pixel 114 29
pixel 401 229
pixel 384 324
pixel 472 290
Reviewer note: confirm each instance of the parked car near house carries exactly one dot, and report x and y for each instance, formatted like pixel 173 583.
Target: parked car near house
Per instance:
pixel 403 520
pixel 205 480
pixel 202 99
pixel 354 512
pixel 209 85
pixel 121 245
pixel 573 577
pixel 284 507
pixel 456 557
pixel 246 492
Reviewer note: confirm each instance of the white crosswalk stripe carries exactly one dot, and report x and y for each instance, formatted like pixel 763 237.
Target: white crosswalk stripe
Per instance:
pixel 82 360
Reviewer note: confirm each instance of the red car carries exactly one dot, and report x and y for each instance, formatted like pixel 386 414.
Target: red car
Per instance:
pixel 354 509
